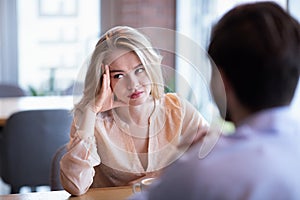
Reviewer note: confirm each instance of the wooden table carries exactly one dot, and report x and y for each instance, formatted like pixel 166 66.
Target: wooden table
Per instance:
pixel 8 106
pixel 109 193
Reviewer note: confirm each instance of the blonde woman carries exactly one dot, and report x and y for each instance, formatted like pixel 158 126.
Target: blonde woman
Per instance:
pixel 125 127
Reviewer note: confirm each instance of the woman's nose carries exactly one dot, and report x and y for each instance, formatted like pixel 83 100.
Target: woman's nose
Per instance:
pixel 132 82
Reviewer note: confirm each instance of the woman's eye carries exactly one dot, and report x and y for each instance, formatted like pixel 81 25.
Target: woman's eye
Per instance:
pixel 139 70
pixel 118 76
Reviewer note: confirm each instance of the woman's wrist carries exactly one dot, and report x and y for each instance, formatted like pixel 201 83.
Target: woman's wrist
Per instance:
pixel 95 109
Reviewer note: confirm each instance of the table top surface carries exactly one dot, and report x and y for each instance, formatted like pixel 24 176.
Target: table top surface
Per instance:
pixel 8 106
pixel 115 193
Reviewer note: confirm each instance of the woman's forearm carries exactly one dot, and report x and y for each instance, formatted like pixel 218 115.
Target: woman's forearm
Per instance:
pixel 77 165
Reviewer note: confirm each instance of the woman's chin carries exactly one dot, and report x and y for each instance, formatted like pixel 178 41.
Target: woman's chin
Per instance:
pixel 137 101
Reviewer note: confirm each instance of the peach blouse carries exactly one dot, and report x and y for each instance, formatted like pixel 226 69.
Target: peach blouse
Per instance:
pixel 108 157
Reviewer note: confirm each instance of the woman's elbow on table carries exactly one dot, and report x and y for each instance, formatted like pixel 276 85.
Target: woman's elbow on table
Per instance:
pixel 72 187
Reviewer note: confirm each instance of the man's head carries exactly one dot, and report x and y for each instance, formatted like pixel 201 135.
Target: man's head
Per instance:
pixel 257 49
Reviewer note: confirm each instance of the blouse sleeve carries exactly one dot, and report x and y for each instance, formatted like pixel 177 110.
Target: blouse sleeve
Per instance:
pixel 77 165
pixel 195 126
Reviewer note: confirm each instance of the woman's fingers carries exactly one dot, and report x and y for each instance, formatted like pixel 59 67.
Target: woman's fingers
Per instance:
pixel 105 87
pixel 107 76
pixel 105 99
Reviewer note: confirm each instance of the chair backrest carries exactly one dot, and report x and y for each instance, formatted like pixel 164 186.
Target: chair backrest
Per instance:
pixel 7 90
pixel 55 183
pixel 30 139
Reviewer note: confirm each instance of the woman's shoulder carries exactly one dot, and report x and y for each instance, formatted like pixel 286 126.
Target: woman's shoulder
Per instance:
pixel 172 99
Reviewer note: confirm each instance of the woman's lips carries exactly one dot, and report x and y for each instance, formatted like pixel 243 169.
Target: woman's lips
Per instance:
pixel 135 95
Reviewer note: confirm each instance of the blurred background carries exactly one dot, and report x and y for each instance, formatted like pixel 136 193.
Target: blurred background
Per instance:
pixel 45 42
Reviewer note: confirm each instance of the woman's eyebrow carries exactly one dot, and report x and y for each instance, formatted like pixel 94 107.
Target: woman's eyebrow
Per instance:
pixel 119 70
pixel 139 65
pixel 116 70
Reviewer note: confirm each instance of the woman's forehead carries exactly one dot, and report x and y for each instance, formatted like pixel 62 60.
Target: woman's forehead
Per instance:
pixel 125 61
pixel 116 54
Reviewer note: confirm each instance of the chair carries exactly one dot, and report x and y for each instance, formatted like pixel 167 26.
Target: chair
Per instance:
pixel 8 90
pixel 30 139
pixel 55 183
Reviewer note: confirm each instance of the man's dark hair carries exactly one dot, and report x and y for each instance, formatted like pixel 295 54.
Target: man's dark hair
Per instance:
pixel 257 46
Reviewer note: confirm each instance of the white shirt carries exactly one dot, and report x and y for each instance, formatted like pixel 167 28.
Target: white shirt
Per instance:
pixel 260 161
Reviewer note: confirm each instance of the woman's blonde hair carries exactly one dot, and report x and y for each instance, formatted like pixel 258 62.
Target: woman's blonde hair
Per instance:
pixel 121 38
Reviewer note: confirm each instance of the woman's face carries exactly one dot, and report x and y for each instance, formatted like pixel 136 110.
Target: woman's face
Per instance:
pixel 128 78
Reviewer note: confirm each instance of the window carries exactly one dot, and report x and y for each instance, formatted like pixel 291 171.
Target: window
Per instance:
pixel 194 21
pixel 55 37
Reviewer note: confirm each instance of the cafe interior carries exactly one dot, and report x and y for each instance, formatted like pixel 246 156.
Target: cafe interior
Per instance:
pixel 45 45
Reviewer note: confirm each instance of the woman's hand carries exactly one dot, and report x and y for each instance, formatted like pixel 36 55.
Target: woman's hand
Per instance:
pixel 105 99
